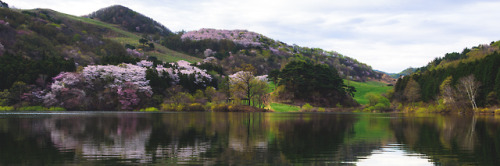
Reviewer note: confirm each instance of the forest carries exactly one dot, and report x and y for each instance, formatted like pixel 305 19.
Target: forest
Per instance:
pixel 459 82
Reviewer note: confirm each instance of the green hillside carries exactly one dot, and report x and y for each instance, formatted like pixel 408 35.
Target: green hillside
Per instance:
pixel 481 63
pixel 125 37
pixel 362 88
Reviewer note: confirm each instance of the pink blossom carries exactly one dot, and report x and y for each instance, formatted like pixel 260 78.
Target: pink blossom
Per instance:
pixel 242 37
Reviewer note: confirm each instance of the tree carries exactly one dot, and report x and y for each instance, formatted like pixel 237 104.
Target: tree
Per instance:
pixel 143 41
pixel 242 84
pixel 4 97
pixel 314 83
pixel 412 91
pixel 447 91
pixel 274 75
pixel 468 86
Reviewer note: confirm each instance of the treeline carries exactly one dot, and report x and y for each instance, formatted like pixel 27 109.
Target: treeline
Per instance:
pixel 467 55
pixel 37 72
pixel 486 72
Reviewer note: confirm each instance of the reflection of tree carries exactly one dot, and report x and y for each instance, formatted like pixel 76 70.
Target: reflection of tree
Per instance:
pixel 239 138
pixel 24 141
pixel 451 140
pixel 322 134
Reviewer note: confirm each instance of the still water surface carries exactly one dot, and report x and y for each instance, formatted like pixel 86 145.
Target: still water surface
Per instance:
pixel 111 138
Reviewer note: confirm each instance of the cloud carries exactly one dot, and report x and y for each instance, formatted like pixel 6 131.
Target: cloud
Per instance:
pixel 389 35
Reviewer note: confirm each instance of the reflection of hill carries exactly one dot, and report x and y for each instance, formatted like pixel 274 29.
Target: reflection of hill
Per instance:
pixel 451 140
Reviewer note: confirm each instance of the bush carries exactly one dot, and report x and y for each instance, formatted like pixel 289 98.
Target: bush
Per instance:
pixel 307 107
pixel 56 109
pixel 195 107
pixel 220 108
pixel 6 108
pixel 172 107
pixel 149 109
pixel 32 108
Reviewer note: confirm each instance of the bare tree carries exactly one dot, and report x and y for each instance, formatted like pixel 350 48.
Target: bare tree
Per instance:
pixel 412 91
pixel 469 86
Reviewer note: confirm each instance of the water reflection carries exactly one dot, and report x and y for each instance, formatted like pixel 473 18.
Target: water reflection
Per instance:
pixel 247 138
pixel 394 154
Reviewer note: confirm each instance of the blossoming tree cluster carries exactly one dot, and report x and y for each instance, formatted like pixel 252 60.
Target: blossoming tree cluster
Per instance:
pixel 111 87
pixel 242 37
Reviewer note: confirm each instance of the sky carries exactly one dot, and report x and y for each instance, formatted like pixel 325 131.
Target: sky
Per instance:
pixel 389 35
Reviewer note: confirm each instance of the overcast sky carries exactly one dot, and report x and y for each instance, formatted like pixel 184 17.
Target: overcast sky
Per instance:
pixel 389 35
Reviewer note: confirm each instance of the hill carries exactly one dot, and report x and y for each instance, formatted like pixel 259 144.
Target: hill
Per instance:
pixel 42 35
pixel 481 62
pixel 233 48
pixel 130 20
pixel 36 45
pixel 405 72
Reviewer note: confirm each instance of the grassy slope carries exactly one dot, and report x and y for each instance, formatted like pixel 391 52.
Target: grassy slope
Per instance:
pixel 362 88
pixel 126 37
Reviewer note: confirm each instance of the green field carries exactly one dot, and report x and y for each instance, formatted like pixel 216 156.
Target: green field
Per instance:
pixel 362 88
pixel 278 107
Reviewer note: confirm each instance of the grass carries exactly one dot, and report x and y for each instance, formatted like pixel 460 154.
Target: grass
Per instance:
pixel 362 88
pixel 278 107
pixel 271 87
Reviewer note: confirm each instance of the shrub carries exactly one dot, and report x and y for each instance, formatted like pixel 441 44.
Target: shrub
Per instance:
pixel 421 110
pixel 220 108
pixel 6 108
pixel 56 109
pixel 195 107
pixel 307 107
pixel 32 108
pixel 172 107
pixel 149 109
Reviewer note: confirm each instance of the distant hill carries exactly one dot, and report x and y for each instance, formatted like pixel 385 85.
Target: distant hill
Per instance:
pixel 130 20
pixel 233 48
pixel 405 72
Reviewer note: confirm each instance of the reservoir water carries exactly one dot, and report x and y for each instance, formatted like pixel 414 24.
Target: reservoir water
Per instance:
pixel 206 138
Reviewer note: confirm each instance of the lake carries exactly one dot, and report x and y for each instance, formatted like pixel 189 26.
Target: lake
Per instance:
pixel 133 138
